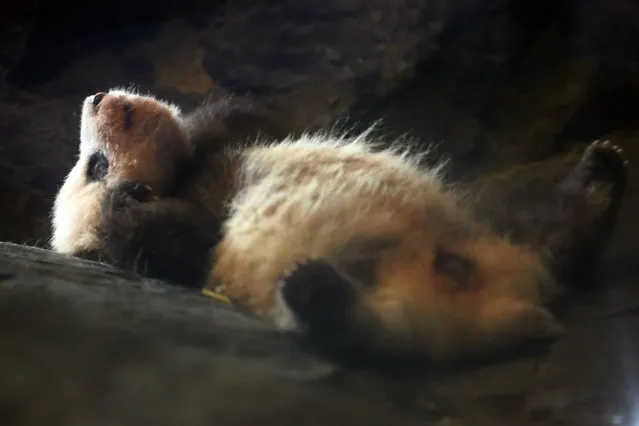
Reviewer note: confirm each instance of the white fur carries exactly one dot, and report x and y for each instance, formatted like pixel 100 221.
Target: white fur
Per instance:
pixel 74 212
pixel 308 197
pixel 284 317
pixel 133 94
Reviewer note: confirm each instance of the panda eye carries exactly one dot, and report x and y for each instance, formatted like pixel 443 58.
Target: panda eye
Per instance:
pixel 456 267
pixel 98 167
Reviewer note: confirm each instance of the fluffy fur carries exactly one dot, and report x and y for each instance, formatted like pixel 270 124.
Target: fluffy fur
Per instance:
pixel 351 244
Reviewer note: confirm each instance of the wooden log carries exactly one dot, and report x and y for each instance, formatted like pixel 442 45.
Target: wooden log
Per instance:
pixel 83 343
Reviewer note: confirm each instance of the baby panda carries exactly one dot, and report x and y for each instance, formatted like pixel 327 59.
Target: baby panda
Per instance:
pixel 341 240
pixel 127 137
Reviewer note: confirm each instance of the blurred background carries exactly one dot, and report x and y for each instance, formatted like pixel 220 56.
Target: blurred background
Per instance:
pixel 493 82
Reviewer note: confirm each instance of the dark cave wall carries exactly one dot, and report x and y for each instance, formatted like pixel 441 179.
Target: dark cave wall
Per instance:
pixel 493 82
pixel 308 59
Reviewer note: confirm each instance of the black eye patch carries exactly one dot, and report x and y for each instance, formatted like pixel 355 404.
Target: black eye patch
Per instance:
pixel 128 116
pixel 98 167
pixel 456 267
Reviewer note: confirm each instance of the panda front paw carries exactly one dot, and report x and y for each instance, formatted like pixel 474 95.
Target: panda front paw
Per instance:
pixel 127 194
pixel 136 190
pixel 603 162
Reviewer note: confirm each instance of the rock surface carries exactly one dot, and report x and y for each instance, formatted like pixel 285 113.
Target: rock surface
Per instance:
pixel 85 344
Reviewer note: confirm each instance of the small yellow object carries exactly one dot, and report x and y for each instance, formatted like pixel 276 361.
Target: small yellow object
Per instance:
pixel 217 296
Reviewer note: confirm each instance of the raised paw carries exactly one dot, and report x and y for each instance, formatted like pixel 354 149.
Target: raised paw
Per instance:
pixel 317 294
pixel 128 193
pixel 136 190
pixel 124 197
pixel 603 162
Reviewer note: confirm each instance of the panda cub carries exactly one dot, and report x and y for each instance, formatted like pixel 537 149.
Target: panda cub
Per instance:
pixel 338 239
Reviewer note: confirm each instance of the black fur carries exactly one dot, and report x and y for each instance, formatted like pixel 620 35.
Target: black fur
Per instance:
pixel 561 221
pixel 326 305
pixel 128 116
pixel 98 167
pixel 231 118
pixel 166 239
pixel 320 297
pixel 600 164
pixel 228 121
pixel 576 259
pixel 454 266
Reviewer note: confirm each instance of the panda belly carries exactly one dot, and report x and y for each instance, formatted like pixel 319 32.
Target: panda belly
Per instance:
pixel 285 219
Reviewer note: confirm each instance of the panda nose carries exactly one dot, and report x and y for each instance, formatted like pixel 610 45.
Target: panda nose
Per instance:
pixel 97 98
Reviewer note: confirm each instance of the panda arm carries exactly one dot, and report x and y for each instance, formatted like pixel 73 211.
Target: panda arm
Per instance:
pixel 164 239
